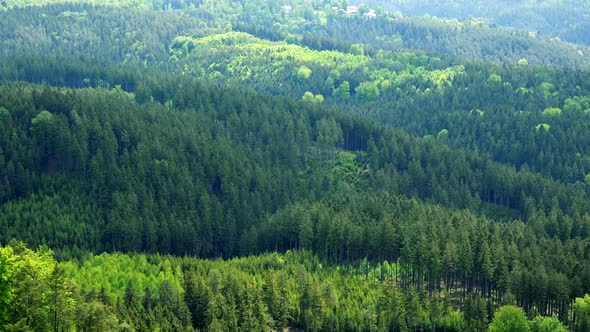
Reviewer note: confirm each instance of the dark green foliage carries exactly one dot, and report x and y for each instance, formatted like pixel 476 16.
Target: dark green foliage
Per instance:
pixel 191 201
pixel 476 39
pixel 565 19
pixel 475 313
pixel 118 146
pixel 404 191
pixel 209 177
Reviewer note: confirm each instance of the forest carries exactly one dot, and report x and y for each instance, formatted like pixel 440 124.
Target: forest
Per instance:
pixel 567 20
pixel 195 165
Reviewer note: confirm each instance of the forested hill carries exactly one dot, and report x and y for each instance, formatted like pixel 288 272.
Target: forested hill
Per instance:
pixel 531 108
pixel 143 31
pixel 347 60
pixel 117 292
pixel 191 168
pixel 568 20
pixel 196 165
pixel 239 157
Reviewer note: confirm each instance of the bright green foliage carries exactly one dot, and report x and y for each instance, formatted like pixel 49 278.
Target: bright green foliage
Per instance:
pixel 547 324
pixel 349 168
pixel 61 301
pixel 6 282
pixel 577 104
pixel 310 98
pixel 33 292
pixel 443 134
pixel 111 272
pixel 542 126
pixel 343 90
pixel 477 111
pixel 367 91
pixel 582 314
pixel 455 321
pixel 547 88
pixel 48 296
pixel 495 79
pixel 303 72
pixel 41 122
pixel 293 291
pixel 509 319
pixel 252 46
pixel 443 78
pixel 243 59
pixel 552 111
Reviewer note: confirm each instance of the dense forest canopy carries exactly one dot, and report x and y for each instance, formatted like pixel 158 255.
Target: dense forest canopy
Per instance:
pixel 196 165
pixel 110 292
pixel 568 20
pixel 136 33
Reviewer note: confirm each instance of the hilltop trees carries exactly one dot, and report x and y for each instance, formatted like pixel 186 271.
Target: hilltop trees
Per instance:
pixel 398 190
pixel 6 283
pixel 509 319
pixel 154 292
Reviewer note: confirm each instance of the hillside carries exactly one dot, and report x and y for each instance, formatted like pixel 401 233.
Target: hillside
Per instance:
pixel 80 27
pixel 567 20
pixel 262 166
pixel 80 186
pixel 418 93
pixel 294 290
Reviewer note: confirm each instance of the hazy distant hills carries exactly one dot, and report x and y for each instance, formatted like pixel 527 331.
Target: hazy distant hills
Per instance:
pixel 568 20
